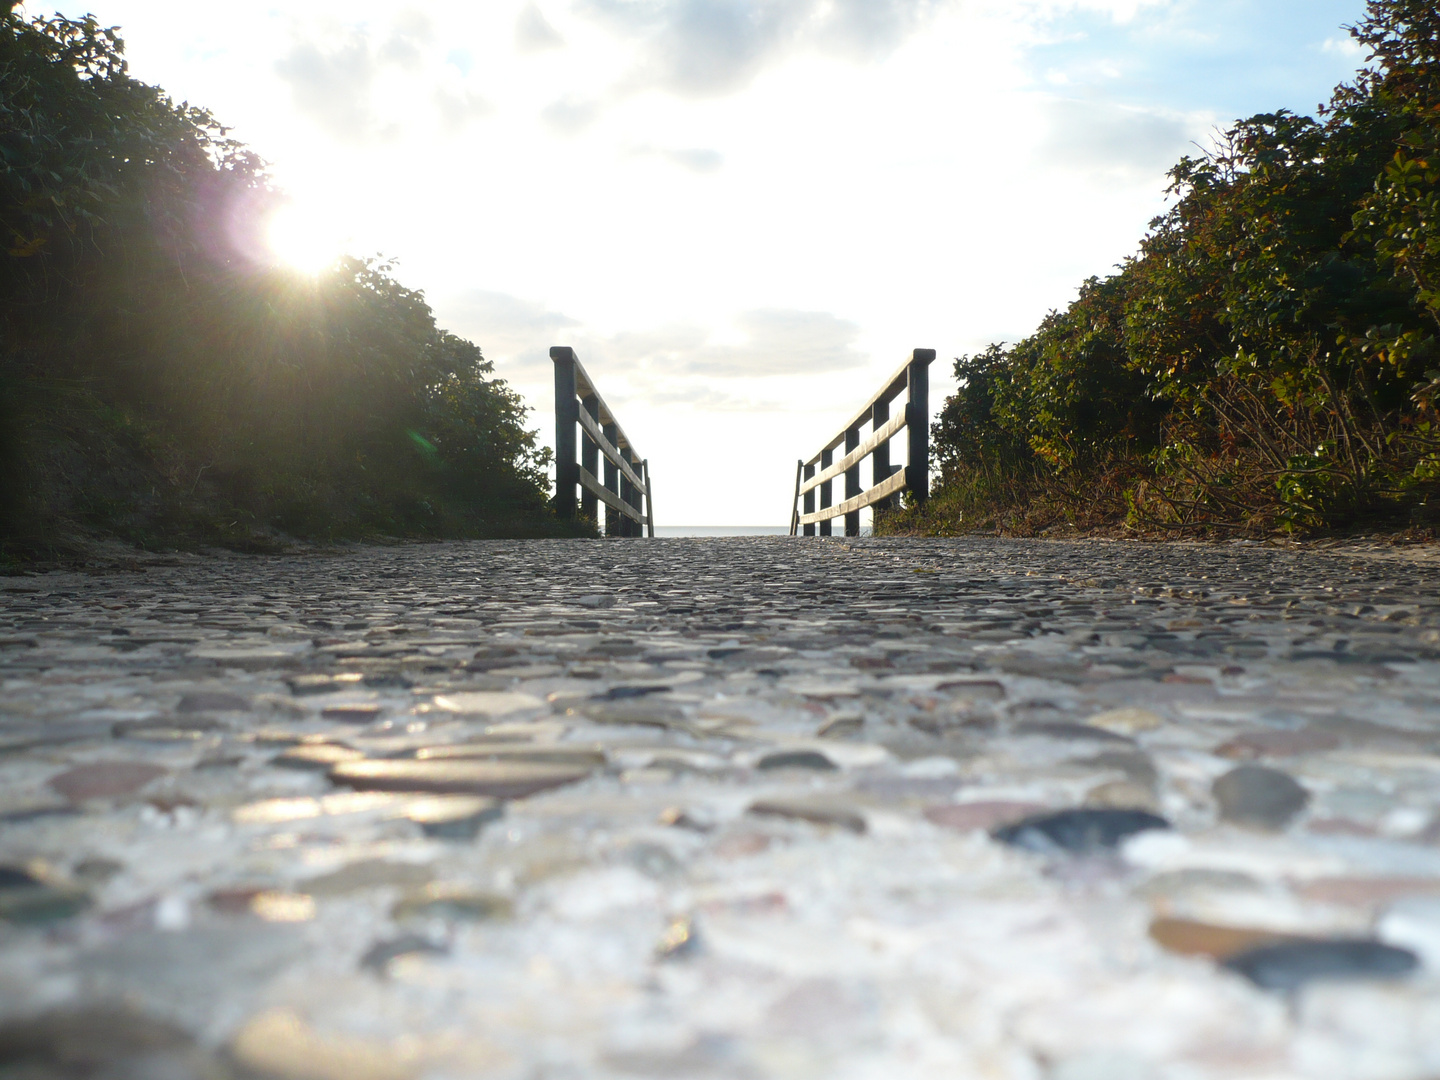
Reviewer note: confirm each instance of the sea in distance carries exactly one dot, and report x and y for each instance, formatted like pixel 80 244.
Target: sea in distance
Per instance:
pixel 733 530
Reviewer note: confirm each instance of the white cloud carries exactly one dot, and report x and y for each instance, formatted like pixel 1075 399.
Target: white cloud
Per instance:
pixel 518 329
pixel 332 86
pixel 696 159
pixel 533 32
pixel 1344 45
pixel 360 84
pixel 1103 137
pixel 703 48
pixel 570 115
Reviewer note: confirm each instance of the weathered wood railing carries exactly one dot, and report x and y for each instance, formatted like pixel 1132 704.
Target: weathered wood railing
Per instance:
pixel 886 479
pixel 578 403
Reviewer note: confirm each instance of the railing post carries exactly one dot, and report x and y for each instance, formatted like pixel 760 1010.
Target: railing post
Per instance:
pixel 795 502
pixel 880 457
pixel 567 417
pixel 852 482
pixel 613 517
pixel 826 458
pixel 590 459
pixel 810 499
pixel 649 499
pixel 628 493
pixel 917 423
pixel 636 499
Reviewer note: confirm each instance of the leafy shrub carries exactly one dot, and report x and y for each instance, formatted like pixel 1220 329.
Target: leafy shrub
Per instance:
pixel 162 382
pixel 1269 358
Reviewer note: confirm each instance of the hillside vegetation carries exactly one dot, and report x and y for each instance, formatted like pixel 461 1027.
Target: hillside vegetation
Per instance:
pixel 163 382
pixel 1267 362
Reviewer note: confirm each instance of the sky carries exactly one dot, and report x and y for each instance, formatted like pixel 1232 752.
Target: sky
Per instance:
pixel 742 214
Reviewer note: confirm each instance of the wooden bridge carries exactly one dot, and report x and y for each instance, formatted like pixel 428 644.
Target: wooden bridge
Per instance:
pixel 625 489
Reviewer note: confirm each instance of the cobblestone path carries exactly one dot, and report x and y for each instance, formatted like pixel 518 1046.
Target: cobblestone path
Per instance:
pixel 748 808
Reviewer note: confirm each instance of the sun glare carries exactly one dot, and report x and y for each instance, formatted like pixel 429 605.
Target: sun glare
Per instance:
pixel 302 240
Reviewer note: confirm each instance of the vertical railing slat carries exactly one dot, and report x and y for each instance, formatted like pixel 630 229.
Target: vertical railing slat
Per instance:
pixel 826 459
pixel 880 458
pixel 852 481
pixel 567 417
pixel 649 500
pixel 810 500
pixel 613 517
pixel 917 423
pixel 795 502
pixel 590 459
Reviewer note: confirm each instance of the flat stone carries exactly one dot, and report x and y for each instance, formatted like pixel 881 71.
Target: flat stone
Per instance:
pixel 816 811
pixel 1129 721
pixel 281 1044
pixel 101 1041
pixel 17 877
pixel 972 689
pixel 41 903
pixel 451 904
pixel 487 702
pixel 1290 965
pixel 500 779
pixel 378 957
pixel 104 780
pixel 1250 745
pixel 927 789
pixel 587 757
pixel 454 817
pixel 796 759
pixel 1062 729
pixel 252 657
pixel 628 693
pixel 368 874
pixel 207 701
pixel 1137 766
pixel 359 712
pixel 840 727
pixel 1259 798
pixel 637 711
pixel 1122 794
pixel 983 816
pixel 316 756
pixel 1078 832
pixel 1191 938
pixel 301 685
pixel 166 729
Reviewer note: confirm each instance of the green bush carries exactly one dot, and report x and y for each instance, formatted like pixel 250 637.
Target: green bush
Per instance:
pixel 1267 361
pixel 163 384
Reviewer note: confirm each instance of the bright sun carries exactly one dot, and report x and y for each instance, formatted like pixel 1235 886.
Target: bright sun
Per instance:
pixel 302 240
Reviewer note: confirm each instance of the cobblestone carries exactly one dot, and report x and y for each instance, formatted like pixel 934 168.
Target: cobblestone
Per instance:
pixel 724 808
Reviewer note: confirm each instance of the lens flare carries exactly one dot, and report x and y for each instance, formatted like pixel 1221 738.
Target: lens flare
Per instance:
pixel 301 239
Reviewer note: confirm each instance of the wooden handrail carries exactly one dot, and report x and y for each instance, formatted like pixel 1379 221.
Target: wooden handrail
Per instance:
pixel 864 450
pixel 889 390
pixel 609 450
pixel 578 404
pixel 819 473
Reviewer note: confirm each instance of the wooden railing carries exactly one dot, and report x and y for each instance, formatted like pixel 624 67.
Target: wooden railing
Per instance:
pixel 626 474
pixel 886 480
